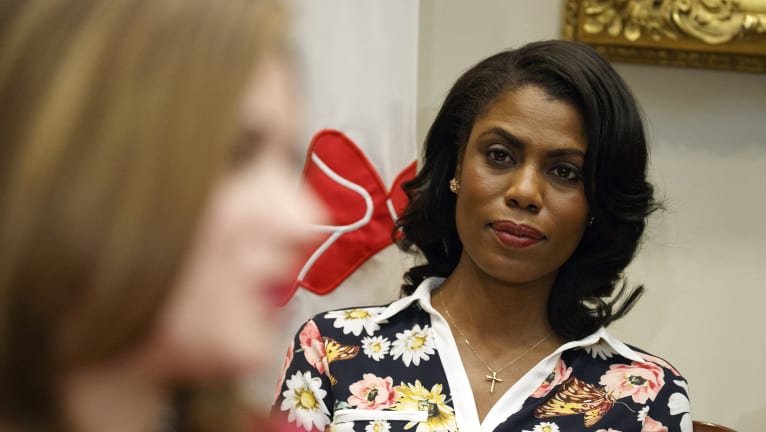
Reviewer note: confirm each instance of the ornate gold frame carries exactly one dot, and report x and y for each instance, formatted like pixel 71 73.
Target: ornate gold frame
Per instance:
pixel 717 34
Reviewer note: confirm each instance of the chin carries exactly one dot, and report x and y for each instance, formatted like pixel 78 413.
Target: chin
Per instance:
pixel 224 369
pixel 217 361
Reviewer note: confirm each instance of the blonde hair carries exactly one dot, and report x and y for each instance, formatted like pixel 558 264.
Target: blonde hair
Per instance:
pixel 116 118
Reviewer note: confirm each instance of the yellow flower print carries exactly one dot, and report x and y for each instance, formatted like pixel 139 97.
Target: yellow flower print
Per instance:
pixel 415 397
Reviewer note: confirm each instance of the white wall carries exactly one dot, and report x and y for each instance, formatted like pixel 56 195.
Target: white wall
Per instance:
pixel 703 261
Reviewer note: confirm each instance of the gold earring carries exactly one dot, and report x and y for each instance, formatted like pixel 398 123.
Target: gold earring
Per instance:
pixel 591 220
pixel 454 186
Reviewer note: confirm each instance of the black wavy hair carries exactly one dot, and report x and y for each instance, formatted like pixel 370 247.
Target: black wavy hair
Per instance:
pixel 619 196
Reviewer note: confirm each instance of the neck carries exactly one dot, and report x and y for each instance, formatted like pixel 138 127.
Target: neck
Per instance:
pixel 490 307
pixel 115 397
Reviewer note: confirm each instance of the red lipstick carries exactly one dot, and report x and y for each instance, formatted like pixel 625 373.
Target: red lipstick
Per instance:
pixel 514 235
pixel 274 292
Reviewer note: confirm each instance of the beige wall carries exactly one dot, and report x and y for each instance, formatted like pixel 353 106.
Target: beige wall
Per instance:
pixel 703 260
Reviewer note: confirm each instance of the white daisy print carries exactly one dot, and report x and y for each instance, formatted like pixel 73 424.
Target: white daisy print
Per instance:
pixel 376 347
pixel 304 398
pixel 642 414
pixel 600 349
pixel 355 320
pixel 378 426
pixel 545 427
pixel 686 423
pixel 342 427
pixel 413 345
pixel 679 404
pixel 683 384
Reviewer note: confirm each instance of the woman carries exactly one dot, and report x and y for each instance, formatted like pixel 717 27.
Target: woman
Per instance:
pixel 530 202
pixel 145 154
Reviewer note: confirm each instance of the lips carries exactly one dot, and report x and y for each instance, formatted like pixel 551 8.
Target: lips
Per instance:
pixel 514 235
pixel 274 292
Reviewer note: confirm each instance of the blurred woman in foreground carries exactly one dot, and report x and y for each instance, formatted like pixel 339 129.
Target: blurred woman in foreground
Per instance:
pixel 143 168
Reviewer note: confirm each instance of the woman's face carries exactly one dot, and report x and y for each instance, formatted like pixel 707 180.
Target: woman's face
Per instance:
pixel 220 316
pixel 521 210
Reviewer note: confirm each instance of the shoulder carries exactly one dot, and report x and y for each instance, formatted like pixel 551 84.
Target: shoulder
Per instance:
pixel 353 313
pixel 605 359
pixel 602 350
pixel 362 324
pixel 350 321
pixel 662 388
pixel 636 385
pixel 669 369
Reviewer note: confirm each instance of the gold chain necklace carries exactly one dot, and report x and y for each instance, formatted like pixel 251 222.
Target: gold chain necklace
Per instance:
pixel 493 378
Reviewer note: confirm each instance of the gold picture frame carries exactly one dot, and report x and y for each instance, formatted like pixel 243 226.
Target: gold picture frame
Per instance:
pixel 715 34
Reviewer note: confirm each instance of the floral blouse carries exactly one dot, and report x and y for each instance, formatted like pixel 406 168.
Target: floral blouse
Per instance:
pixel 397 368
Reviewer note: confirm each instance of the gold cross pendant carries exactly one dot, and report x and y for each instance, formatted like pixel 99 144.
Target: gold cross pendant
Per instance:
pixel 494 380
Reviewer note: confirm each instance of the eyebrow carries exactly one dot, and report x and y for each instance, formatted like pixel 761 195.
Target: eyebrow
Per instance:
pixel 514 141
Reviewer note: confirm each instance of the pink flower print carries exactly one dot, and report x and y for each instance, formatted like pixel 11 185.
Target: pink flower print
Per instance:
pixel 312 344
pixel 372 392
pixel 652 425
pixel 560 373
pixel 641 381
pixel 285 365
pixel 659 361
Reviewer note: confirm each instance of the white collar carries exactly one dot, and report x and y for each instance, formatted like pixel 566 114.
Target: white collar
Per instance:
pixel 422 294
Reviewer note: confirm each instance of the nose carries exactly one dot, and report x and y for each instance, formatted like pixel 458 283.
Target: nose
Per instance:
pixel 308 210
pixel 291 208
pixel 525 189
pixel 299 211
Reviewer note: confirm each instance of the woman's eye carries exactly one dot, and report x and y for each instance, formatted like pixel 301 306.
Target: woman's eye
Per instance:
pixel 566 173
pixel 496 155
pixel 247 147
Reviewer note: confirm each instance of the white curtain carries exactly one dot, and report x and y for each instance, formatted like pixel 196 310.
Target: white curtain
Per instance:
pixel 358 66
